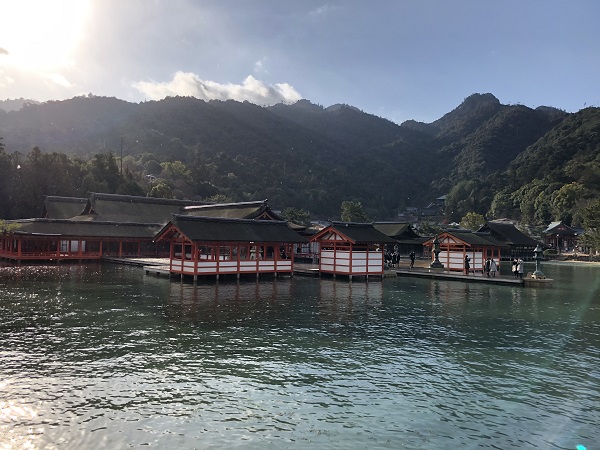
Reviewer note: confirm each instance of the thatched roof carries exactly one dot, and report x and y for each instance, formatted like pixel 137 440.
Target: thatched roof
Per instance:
pixel 241 210
pixel 63 228
pixel 63 207
pixel 128 208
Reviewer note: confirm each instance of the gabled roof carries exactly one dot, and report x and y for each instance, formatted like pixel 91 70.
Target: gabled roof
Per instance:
pixel 241 210
pixel 210 229
pixel 470 238
pixel 561 228
pixel 364 233
pixel 396 230
pixel 65 228
pixel 129 208
pixel 507 233
pixel 62 207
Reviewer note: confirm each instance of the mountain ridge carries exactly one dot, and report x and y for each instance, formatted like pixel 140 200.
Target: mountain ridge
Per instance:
pixel 301 155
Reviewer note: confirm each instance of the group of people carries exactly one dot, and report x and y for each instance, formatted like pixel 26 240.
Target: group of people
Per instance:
pixel 491 268
pixel 392 258
pixel 517 268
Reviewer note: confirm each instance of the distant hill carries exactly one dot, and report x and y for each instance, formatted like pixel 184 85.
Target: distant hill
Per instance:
pixel 16 104
pixel 314 157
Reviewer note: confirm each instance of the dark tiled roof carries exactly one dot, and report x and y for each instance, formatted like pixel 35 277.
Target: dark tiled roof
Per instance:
pixel 472 238
pixel 396 230
pixel 561 228
pixel 128 208
pixel 62 207
pixel 207 229
pixel 508 234
pixel 241 210
pixel 70 228
pixel 361 233
pixel 476 238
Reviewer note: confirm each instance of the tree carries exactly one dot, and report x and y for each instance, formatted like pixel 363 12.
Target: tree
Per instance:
pixel 299 216
pixel 566 198
pixel 219 198
pixel 472 221
pixel 6 227
pixel 104 168
pixel 352 211
pixel 161 190
pixel 464 197
pixel 591 225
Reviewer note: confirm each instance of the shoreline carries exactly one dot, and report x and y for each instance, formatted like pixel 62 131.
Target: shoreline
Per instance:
pixel 570 261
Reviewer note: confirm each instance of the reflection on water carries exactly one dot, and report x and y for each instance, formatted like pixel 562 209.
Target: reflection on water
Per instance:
pixel 106 357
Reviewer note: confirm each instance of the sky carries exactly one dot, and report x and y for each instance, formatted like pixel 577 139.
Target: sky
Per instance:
pixel 396 59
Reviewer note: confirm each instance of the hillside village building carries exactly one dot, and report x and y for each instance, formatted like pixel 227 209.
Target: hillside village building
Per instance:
pixel 561 237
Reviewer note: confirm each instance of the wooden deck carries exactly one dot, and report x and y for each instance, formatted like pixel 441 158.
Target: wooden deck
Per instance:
pixel 160 267
pixel 421 272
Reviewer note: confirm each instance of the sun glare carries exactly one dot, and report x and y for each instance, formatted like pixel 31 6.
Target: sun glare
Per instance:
pixel 41 34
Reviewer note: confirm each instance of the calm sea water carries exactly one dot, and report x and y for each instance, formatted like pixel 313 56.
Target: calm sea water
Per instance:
pixel 106 357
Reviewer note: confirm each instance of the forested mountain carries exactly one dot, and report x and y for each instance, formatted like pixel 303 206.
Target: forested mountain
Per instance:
pixel 483 154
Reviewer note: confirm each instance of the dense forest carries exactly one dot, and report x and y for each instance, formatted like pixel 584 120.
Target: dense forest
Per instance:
pixel 533 165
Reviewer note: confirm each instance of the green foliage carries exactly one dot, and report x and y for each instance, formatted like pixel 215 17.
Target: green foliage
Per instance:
pixel 472 221
pixel 161 190
pixel 353 211
pixel 430 229
pixel 219 198
pixel 466 196
pixel 565 200
pixel 591 224
pixel 483 155
pixel 6 227
pixel 105 171
pixel 295 215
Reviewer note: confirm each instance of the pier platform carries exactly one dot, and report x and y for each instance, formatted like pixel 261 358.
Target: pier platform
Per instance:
pixel 160 267
pixel 419 272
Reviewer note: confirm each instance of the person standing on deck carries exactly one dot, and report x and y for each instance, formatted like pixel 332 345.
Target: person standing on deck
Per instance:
pixel 467 265
pixel 488 266
pixel 493 268
pixel 520 267
pixel 412 259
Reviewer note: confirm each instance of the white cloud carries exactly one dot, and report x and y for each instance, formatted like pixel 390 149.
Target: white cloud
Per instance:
pixel 58 79
pixel 260 65
pixel 189 84
pixel 322 10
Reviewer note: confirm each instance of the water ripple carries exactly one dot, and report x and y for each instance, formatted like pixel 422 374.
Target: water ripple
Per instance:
pixel 108 358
